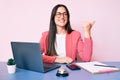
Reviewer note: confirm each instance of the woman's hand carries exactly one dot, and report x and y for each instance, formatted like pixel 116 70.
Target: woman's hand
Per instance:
pixel 63 60
pixel 87 28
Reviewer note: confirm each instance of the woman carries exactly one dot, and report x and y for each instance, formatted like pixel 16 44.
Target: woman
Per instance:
pixel 61 44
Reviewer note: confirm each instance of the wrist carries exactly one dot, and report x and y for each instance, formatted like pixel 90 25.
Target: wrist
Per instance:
pixel 58 60
pixel 87 34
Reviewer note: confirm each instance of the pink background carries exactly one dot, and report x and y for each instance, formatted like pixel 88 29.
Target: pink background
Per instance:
pixel 25 20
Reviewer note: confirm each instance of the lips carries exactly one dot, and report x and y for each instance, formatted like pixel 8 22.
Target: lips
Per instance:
pixel 62 21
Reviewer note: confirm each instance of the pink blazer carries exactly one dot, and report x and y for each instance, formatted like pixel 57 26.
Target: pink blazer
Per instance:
pixel 74 46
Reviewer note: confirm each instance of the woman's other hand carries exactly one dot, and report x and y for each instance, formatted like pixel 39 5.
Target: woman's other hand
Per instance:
pixel 63 60
pixel 87 28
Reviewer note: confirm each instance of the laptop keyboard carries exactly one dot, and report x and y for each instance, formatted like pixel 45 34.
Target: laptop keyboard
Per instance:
pixel 49 66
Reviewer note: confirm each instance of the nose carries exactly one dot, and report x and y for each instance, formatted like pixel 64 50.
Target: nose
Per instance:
pixel 62 15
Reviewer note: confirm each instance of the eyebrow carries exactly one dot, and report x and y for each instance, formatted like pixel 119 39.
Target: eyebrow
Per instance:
pixel 60 12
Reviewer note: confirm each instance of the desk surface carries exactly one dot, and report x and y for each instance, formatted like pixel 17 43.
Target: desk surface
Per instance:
pixel 51 75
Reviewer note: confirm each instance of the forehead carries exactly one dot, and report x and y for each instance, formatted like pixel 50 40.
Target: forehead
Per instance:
pixel 61 9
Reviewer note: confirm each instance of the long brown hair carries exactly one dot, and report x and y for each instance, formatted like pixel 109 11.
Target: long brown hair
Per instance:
pixel 52 30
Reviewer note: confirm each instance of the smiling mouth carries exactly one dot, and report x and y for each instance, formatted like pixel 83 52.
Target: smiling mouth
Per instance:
pixel 62 21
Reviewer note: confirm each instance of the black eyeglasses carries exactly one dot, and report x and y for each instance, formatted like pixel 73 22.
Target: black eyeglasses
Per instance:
pixel 58 14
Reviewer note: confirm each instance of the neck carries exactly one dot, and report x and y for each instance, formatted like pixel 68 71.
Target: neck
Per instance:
pixel 61 30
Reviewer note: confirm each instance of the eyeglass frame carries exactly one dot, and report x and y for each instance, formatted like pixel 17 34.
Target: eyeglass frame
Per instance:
pixel 59 14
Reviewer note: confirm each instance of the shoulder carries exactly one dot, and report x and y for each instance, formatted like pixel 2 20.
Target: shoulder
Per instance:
pixel 45 33
pixel 75 33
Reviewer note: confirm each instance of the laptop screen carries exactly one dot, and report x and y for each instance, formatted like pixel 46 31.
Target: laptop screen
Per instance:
pixel 27 55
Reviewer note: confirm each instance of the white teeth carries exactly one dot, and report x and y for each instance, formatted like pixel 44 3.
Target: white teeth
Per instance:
pixel 62 21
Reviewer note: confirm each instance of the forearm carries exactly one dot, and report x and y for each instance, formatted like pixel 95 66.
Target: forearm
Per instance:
pixel 48 59
pixel 63 60
pixel 87 50
pixel 87 34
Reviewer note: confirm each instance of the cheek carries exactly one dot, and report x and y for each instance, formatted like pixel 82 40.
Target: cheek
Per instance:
pixel 66 20
pixel 55 20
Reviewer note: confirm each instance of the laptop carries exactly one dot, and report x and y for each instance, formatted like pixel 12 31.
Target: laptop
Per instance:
pixel 28 56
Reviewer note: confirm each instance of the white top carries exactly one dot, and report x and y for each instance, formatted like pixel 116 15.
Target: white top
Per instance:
pixel 60 45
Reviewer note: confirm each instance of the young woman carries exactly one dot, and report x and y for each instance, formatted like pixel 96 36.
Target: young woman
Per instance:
pixel 61 43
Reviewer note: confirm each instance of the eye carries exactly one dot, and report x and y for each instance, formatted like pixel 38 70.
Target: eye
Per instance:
pixel 65 14
pixel 58 13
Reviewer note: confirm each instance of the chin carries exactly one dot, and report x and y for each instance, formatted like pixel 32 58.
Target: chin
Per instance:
pixel 62 24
